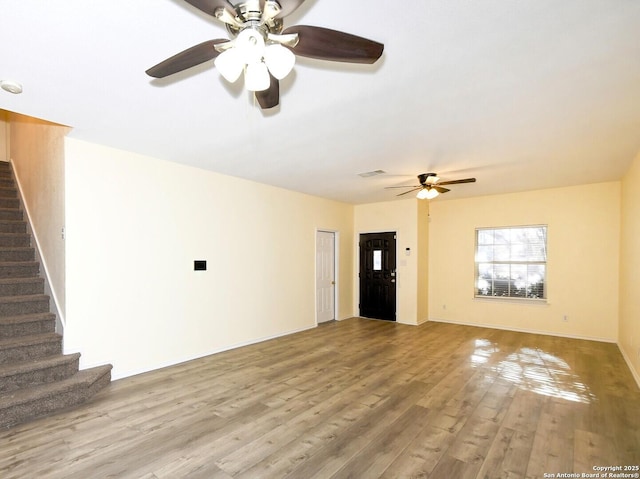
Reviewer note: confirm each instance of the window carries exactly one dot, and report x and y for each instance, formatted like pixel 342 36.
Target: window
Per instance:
pixel 511 262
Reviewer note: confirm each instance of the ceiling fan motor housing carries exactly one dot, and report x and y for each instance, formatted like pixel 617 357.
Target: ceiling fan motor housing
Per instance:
pixel 250 17
pixel 424 176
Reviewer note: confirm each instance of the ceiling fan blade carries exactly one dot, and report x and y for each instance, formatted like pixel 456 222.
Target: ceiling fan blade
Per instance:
pixel 439 189
pixel 271 96
pixel 326 44
pixel 288 7
pixel 456 182
pixel 410 191
pixel 210 6
pixel 406 186
pixel 189 58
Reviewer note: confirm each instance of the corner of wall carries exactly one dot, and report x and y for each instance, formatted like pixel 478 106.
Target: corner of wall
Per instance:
pixel 629 269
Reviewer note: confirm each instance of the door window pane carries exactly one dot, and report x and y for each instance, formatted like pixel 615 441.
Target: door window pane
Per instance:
pixel 377 260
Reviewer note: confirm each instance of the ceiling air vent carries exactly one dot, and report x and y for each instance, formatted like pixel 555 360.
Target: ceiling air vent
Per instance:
pixel 372 173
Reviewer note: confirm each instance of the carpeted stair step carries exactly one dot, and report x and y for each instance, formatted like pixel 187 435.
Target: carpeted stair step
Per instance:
pixel 19 269
pixel 28 304
pixel 8 192
pixel 11 214
pixel 12 226
pixel 17 253
pixel 21 286
pixel 26 404
pixel 15 376
pixel 26 325
pixel 28 348
pixel 9 203
pixel 15 239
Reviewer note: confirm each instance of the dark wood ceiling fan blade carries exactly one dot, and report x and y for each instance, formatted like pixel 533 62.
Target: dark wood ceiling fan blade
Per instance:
pixel 188 58
pixel 440 189
pixel 210 6
pixel 326 44
pixel 405 186
pixel 410 191
pixel 288 7
pixel 457 182
pixel 270 97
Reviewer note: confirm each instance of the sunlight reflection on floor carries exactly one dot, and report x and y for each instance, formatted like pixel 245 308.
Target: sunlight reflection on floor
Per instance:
pixel 534 370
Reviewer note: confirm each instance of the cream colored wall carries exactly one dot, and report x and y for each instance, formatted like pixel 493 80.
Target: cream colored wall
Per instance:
pixel 37 152
pixel 582 269
pixel 398 216
pixel 136 224
pixel 630 269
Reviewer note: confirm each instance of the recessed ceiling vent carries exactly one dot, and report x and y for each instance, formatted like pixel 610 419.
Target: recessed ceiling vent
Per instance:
pixel 372 173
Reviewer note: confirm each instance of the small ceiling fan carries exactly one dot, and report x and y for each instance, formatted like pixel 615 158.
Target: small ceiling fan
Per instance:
pixel 430 186
pixel 262 48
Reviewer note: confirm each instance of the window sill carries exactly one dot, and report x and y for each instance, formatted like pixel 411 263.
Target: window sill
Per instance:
pixel 507 299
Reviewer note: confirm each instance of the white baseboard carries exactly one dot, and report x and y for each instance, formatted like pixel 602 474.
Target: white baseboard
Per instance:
pixel 524 330
pixel 634 373
pixel 125 374
pixel 627 359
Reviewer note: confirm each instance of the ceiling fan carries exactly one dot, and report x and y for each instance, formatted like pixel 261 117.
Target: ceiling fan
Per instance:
pixel 262 48
pixel 430 186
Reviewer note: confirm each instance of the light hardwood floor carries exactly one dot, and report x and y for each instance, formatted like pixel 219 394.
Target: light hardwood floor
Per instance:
pixel 358 398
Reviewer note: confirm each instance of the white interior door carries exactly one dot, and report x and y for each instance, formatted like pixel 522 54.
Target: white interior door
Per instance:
pixel 325 276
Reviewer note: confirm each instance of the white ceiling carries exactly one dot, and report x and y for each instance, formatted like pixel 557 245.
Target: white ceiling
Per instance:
pixel 521 94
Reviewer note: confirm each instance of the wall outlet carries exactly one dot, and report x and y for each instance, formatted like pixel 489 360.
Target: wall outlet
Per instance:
pixel 565 318
pixel 444 306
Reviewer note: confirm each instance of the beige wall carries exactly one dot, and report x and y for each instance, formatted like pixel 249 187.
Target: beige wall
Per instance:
pixel 630 269
pixel 582 269
pixel 37 152
pixel 136 224
pixel 401 217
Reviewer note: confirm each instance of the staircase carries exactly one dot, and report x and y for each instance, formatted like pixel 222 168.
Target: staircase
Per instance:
pixel 35 377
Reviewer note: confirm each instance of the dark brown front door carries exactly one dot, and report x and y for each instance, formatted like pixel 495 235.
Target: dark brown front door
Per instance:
pixel 378 276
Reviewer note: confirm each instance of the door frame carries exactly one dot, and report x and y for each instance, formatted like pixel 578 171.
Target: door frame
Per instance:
pixel 356 292
pixel 336 271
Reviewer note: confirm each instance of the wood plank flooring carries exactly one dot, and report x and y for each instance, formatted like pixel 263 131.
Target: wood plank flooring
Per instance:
pixel 352 399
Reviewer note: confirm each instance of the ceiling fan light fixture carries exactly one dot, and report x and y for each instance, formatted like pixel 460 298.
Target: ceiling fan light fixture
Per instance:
pixel 256 77
pixel 279 60
pixel 251 45
pixel 427 194
pixel 230 64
